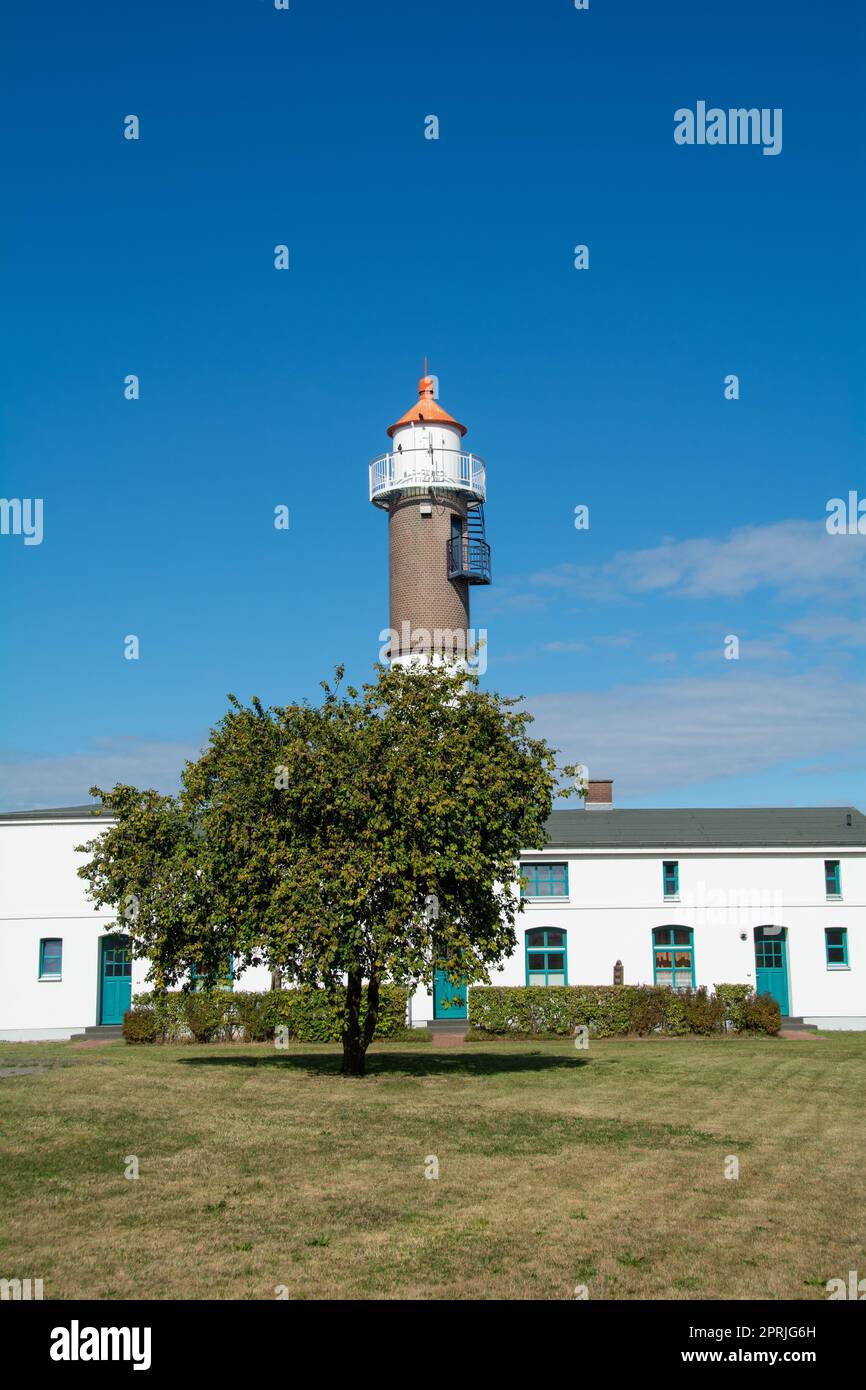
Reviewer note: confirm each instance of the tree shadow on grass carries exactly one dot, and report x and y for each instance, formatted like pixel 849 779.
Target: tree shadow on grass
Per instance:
pixel 400 1063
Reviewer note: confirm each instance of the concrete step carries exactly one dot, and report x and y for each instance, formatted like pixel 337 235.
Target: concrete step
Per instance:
pixel 99 1032
pixel 448 1032
pixel 794 1024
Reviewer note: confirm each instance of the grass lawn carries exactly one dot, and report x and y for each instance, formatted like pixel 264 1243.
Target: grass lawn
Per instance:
pixel 606 1168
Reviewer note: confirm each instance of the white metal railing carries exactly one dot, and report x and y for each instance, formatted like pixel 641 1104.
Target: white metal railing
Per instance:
pixel 432 467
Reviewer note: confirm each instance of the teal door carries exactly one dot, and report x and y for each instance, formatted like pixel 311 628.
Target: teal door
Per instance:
pixel 449 1000
pixel 115 978
pixel 771 965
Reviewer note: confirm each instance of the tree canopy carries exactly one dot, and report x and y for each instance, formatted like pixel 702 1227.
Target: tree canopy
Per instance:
pixel 371 837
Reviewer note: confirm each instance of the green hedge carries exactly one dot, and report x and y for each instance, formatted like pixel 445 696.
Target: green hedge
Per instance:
pixel 735 1001
pixel 613 1010
pixel 223 1015
pixel 139 1026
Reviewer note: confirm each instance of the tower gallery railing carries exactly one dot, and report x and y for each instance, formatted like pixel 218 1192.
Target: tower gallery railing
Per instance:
pixel 432 467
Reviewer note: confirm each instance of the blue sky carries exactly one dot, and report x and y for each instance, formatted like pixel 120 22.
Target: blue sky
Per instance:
pixel 602 387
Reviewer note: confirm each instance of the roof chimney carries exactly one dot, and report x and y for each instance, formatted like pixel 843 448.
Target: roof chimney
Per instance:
pixel 599 795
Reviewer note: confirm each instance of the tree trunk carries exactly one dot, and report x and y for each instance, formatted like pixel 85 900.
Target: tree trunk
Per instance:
pixel 354 1048
pixel 357 1036
pixel 372 1017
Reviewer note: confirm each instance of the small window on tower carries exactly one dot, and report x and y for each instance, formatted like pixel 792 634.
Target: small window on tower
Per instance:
pixel 456 543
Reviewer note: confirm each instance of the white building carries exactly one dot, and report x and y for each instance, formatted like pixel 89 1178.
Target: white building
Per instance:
pixel 775 898
pixel 60 971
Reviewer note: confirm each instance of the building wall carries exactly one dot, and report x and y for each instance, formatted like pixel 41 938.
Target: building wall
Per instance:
pixel 42 896
pixel 614 901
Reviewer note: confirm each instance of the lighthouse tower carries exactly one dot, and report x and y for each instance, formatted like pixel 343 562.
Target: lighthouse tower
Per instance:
pixel 433 491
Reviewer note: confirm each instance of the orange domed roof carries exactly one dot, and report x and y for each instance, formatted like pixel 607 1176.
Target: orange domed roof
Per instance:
pixel 426 409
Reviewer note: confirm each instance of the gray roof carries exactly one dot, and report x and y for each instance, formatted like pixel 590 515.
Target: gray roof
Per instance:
pixel 58 813
pixel 757 827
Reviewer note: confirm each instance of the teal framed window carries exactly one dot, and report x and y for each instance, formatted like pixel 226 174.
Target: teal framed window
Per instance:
pixel 544 880
pixel 50 958
pixel 671 878
pixel 832 878
pixel 769 949
pixel 674 957
pixel 116 958
pixel 546 956
pixel 226 979
pixel 836 946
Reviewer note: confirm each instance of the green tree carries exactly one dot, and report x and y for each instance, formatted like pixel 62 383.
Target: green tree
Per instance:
pixel 315 839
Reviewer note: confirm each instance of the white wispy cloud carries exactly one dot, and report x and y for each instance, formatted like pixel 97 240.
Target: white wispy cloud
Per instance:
pixel 793 560
pixel 830 627
pixel 40 782
pixel 752 650
pixel 674 733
